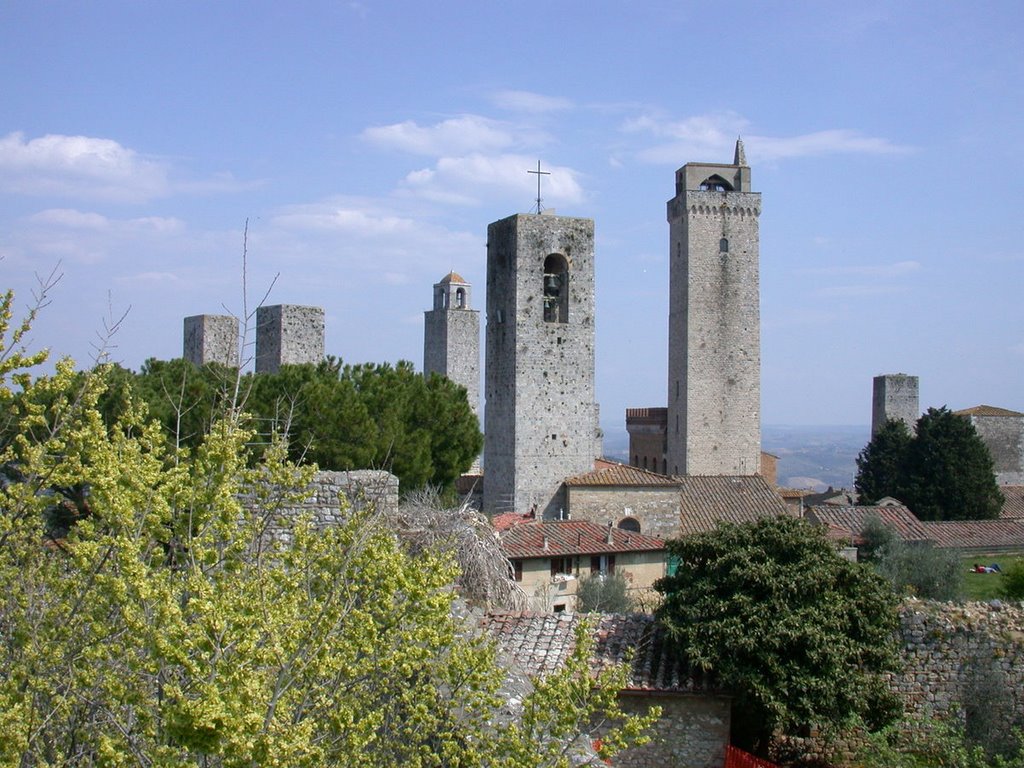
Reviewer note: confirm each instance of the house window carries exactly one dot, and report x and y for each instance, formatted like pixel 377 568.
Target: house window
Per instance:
pixel 602 564
pixel 517 570
pixel 561 566
pixel 556 289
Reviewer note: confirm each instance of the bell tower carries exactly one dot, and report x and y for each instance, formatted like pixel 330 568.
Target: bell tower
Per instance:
pixel 541 421
pixel 451 337
pixel 714 358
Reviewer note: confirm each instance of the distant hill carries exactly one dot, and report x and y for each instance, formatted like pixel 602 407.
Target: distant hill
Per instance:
pixel 809 457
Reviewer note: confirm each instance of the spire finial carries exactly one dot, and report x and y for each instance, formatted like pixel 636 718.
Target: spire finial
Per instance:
pixel 740 158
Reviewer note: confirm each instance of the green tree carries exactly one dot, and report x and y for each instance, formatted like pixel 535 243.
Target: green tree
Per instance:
pixel 1012 578
pixel 880 463
pixel 943 472
pixel 949 473
pixel 800 635
pixel 922 569
pixel 603 593
pixel 166 628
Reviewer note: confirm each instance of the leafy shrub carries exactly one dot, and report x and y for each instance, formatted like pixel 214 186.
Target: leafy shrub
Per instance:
pixel 1013 581
pixel 604 593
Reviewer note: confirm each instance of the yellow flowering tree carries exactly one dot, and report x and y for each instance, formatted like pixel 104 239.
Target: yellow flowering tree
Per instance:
pixel 158 624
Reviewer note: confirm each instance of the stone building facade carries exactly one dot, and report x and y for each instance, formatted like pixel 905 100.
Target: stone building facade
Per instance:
pixel 1002 431
pixel 211 339
pixel 895 396
pixel 714 361
pixel 647 438
pixel 451 337
pixel 541 420
pixel 288 334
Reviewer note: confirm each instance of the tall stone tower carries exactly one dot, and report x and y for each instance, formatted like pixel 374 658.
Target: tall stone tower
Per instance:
pixel 451 337
pixel 541 420
pixel 894 396
pixel 714 357
pixel 288 334
pixel 211 339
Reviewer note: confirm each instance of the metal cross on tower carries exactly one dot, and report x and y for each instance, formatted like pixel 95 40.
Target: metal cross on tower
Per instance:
pixel 539 173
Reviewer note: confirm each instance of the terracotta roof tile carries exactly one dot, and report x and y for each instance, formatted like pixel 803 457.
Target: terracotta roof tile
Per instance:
pixel 987 410
pixel 572 537
pixel 539 643
pixel 706 501
pixel 452 277
pixel 505 520
pixel 977 534
pixel 1013 507
pixel 852 519
pixel 621 474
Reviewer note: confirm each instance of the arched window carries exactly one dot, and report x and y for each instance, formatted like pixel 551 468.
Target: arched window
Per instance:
pixel 556 289
pixel 460 298
pixel 645 462
pixel 715 183
pixel 723 245
pixel 630 524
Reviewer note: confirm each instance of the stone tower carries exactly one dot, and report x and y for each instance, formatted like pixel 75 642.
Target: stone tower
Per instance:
pixel 894 396
pixel 714 357
pixel 451 337
pixel 211 339
pixel 287 334
pixel 541 421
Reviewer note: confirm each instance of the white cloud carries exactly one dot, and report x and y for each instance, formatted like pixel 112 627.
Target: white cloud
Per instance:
pixel 527 101
pixel 79 166
pixel 69 218
pixel 456 136
pixel 471 179
pixel 713 136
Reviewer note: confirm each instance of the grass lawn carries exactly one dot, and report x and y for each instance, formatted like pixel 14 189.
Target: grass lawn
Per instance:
pixel 985 586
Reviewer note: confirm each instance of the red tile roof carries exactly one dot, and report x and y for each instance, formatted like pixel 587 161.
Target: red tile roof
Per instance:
pixel 506 520
pixel 1013 507
pixel 977 534
pixel 621 474
pixel 452 277
pixel 987 410
pixel 539 643
pixel 706 501
pixel 572 537
pixel 852 519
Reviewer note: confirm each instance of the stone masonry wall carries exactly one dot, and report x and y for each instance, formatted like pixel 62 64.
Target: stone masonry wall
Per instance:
pixel 328 489
pixel 287 334
pixel 656 509
pixel 1004 437
pixel 714 387
pixel 541 419
pixel 211 339
pixel 451 347
pixel 692 732
pixel 894 396
pixel 948 648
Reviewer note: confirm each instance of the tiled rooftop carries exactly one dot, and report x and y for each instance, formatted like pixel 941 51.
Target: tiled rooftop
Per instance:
pixel 539 643
pixel 1013 507
pixel 977 534
pixel 852 519
pixel 572 537
pixel 453 277
pixel 987 410
pixel 705 501
pixel 621 474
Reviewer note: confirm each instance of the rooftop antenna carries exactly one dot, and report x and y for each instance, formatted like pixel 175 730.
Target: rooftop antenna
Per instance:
pixel 539 173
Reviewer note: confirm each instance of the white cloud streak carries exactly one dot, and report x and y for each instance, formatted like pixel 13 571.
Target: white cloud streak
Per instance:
pixel 459 135
pixel 714 135
pixel 529 102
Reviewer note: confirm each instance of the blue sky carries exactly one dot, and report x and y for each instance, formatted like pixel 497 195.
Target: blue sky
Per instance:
pixel 369 144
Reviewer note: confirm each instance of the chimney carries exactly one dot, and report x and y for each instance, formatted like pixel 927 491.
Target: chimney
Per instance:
pixel 608 538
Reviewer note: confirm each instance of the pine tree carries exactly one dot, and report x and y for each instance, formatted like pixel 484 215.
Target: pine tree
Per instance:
pixel 880 464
